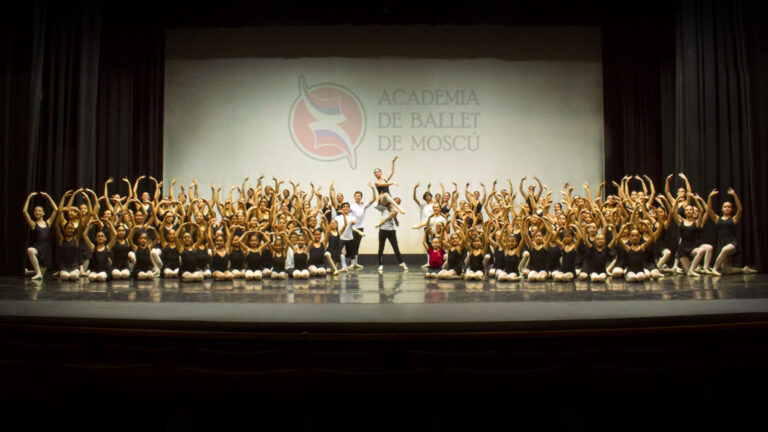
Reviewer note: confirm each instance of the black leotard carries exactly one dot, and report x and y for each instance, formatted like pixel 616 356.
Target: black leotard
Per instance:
pixel 236 260
pixel 170 258
pixel 203 259
pixel 553 257
pixel 454 261
pixel 382 189
pixel 143 262
pixel 253 261
pixel 220 262
pixel 317 255
pixel 689 239
pixel 41 240
pixel 278 263
pixel 300 260
pixel 568 264
pixel 188 261
pixel 120 255
pixel 597 260
pixel 69 255
pixel 498 258
pixel 635 260
pixel 511 263
pixel 266 260
pixel 476 262
pixel 726 234
pixel 538 261
pixel 100 261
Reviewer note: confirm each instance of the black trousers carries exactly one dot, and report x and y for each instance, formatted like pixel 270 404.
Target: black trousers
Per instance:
pixel 390 235
pixel 349 248
pixel 355 244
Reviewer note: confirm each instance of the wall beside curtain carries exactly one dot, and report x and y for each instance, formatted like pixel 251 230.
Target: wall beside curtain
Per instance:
pixel 81 101
pixel 709 120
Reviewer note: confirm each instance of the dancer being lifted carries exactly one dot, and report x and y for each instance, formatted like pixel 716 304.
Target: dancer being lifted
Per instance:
pixel 385 199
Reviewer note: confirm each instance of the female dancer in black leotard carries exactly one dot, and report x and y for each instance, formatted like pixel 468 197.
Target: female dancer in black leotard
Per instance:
pixel 101 252
pixel 236 255
pixel 189 268
pixel 454 245
pixel 509 269
pixel 169 254
pixel 143 269
pixel 597 257
pixel 319 254
pixel 727 244
pixel 667 239
pixel 690 251
pixel 537 247
pixel 220 246
pixel 39 253
pixel 255 244
pixel 385 199
pixel 69 252
pixel 278 256
pixel 569 245
pixel 300 255
pixel 477 260
pixel 635 271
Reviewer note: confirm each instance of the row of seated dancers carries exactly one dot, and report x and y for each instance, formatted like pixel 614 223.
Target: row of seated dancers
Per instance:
pixel 277 234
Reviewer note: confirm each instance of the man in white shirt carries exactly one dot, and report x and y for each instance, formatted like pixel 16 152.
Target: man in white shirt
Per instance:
pixel 426 206
pixel 357 211
pixel 346 237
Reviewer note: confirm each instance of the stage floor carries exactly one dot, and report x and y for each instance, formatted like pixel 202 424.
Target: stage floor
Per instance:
pixel 394 297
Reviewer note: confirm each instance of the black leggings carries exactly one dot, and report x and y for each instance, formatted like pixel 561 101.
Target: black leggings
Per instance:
pixel 390 235
pixel 355 244
pixel 349 248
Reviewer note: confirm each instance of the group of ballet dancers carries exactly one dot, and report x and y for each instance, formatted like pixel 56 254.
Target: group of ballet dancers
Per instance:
pixel 268 231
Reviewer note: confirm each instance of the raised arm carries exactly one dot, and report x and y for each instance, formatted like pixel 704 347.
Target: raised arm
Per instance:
pixel 416 186
pixel 710 211
pixel 25 210
pixel 243 190
pixel 687 183
pixel 739 208
pixel 391 173
pixel 599 194
pixel 622 244
pixel 524 232
pixel 700 204
pixel 373 195
pixel 667 190
pixel 155 239
pixel 346 222
pixel 652 188
pixel 541 188
pixel 136 187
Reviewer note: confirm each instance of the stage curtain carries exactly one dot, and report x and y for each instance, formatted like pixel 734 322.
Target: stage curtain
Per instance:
pixel 716 130
pixel 82 101
pixel 638 69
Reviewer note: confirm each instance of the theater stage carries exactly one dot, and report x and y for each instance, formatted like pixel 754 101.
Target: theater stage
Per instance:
pixel 367 301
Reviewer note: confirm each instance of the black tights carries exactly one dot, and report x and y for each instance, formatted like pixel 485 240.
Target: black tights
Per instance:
pixel 390 235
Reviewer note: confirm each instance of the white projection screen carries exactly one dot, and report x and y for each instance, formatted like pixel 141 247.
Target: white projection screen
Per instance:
pixel 315 104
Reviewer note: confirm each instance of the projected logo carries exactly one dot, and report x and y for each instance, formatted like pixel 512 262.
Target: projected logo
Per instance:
pixel 327 122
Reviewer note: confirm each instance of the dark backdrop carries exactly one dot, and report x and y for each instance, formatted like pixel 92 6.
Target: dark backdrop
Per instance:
pixel 81 89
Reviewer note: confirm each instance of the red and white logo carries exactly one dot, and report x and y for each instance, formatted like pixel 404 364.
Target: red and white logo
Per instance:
pixel 327 122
